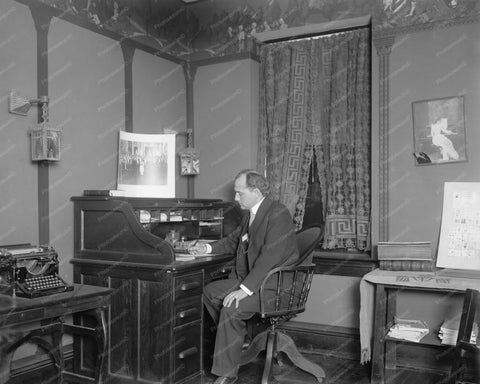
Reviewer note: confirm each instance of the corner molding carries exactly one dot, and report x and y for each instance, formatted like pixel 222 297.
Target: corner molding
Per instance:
pixel 128 51
pixel 384 48
pixel 42 20
pixel 190 71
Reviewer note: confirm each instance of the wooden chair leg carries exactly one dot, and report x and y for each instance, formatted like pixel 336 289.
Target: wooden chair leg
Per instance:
pixel 285 344
pixel 269 356
pixel 258 344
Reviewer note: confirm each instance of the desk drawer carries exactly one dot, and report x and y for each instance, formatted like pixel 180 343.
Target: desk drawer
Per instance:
pixel 188 310
pixel 217 272
pixel 188 285
pixel 187 351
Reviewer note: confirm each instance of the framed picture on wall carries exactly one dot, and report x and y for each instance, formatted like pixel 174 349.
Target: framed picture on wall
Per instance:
pixel 439 130
pixel 146 164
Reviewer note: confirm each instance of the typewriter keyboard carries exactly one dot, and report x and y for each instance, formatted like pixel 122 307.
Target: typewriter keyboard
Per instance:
pixel 42 286
pixel 41 283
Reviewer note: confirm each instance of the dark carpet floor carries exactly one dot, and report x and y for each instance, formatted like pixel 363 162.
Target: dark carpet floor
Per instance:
pixel 338 371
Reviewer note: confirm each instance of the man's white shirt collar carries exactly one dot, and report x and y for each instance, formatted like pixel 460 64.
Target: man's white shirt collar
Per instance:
pixel 254 209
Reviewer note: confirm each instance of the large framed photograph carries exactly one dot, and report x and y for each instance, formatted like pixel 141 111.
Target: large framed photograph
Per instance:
pixel 439 130
pixel 146 164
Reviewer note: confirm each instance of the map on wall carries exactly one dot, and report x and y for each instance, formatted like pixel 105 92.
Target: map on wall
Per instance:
pixel 459 246
pixel 146 164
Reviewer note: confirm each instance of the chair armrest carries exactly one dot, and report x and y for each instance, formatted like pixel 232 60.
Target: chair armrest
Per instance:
pixel 291 268
pixel 285 289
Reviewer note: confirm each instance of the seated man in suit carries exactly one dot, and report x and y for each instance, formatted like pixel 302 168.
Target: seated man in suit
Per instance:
pixel 264 240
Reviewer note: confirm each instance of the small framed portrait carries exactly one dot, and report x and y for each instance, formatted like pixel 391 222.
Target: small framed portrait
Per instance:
pixel 189 162
pixel 45 143
pixel 439 131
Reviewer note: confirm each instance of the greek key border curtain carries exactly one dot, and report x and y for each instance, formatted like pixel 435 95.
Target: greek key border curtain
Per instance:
pixel 315 99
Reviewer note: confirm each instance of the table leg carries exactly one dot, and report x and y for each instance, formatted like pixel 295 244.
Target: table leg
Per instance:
pixel 390 347
pixel 101 368
pixel 57 350
pixel 5 362
pixel 380 318
pixel 99 334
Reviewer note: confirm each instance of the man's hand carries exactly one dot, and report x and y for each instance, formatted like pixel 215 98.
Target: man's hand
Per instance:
pixel 196 248
pixel 236 296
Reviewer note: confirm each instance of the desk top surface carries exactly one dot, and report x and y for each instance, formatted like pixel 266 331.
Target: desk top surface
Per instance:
pixel 83 297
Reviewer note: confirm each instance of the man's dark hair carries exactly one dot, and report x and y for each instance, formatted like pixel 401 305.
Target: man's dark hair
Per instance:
pixel 255 180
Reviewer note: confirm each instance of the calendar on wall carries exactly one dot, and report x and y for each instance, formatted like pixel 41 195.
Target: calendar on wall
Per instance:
pixel 459 245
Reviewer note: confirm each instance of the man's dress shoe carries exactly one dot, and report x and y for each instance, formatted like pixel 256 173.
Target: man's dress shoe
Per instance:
pixel 225 380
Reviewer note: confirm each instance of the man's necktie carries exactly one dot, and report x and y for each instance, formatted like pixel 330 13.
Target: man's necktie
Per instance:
pixel 252 217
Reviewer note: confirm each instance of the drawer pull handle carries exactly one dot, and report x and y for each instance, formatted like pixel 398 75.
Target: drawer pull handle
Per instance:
pixel 187 312
pixel 188 352
pixel 188 286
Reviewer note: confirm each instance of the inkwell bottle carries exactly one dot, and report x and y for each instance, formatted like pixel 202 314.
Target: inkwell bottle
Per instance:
pixel 172 237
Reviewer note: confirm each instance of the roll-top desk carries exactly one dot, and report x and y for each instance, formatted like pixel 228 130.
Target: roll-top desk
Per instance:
pixel 155 320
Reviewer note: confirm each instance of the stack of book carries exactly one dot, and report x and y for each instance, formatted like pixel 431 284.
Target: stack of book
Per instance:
pixel 103 192
pixel 406 256
pixel 406 329
pixel 449 332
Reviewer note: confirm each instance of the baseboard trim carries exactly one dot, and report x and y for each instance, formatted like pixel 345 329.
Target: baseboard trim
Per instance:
pixel 331 340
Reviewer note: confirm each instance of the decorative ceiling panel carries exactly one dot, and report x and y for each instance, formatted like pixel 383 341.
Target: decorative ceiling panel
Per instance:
pixel 199 29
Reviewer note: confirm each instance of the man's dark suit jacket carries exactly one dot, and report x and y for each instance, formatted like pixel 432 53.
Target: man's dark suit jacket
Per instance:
pixel 271 243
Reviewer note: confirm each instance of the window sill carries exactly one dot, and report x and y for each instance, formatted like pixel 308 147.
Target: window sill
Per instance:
pixel 340 262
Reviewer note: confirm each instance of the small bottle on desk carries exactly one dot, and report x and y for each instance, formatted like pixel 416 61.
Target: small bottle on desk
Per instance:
pixel 182 244
pixel 172 237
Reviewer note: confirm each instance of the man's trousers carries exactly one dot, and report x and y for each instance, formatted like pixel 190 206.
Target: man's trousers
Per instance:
pixel 231 324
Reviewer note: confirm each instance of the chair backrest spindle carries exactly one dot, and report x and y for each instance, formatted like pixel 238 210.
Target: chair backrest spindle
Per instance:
pixel 293 281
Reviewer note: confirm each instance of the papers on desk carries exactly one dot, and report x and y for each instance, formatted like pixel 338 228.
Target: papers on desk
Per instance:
pixel 183 255
pixel 22 251
pixel 449 332
pixel 410 330
pixel 200 255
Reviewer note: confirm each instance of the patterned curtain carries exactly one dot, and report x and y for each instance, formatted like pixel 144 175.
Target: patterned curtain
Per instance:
pixel 315 97
pixel 344 154
pixel 289 88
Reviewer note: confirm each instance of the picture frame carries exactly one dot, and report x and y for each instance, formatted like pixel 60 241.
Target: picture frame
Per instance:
pixel 146 165
pixel 459 244
pixel 439 135
pixel 45 143
pixel 189 162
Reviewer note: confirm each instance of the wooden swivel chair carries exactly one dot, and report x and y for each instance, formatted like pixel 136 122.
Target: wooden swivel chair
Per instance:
pixel 283 294
pixel 465 351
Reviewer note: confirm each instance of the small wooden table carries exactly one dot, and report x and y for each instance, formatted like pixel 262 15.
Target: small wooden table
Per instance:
pixel 50 311
pixel 386 286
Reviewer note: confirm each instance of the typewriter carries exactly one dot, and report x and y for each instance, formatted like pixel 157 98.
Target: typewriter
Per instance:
pixel 29 271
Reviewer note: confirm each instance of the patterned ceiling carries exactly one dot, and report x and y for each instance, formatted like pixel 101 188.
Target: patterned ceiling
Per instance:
pixel 211 28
